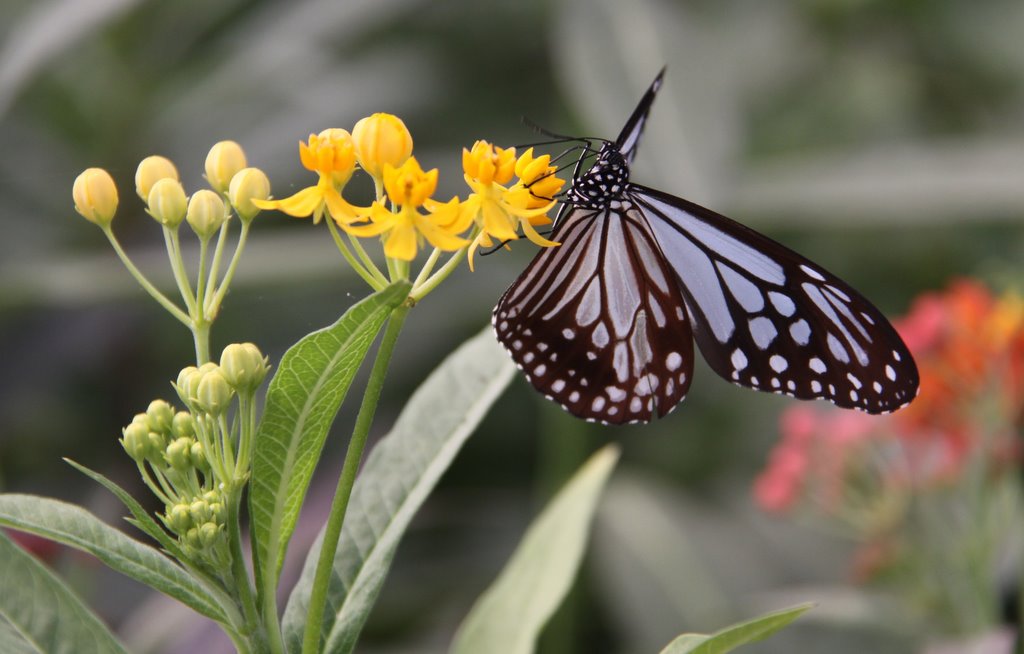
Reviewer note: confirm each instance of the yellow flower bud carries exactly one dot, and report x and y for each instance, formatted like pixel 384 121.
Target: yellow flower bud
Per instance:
pixel 150 171
pixel 95 196
pixel 167 202
pixel 182 385
pixel 213 393
pixel 248 185
pixel 206 213
pixel 223 161
pixel 381 139
pixel 243 366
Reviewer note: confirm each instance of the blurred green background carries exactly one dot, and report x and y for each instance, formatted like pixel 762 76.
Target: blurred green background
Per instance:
pixel 881 138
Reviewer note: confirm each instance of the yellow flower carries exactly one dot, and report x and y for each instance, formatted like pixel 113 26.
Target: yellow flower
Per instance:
pixel 499 210
pixel 95 196
pixel 409 187
pixel 381 140
pixel 537 175
pixel 330 154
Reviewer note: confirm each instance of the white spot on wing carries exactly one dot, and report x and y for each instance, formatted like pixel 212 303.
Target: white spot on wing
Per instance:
pixel 673 361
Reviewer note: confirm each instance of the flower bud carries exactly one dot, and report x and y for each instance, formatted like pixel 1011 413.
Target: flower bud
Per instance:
pixel 243 366
pixel 167 202
pixel 381 139
pixel 177 454
pixel 150 171
pixel 206 213
pixel 192 540
pixel 198 457
pixel 209 534
pixel 160 416
pixel 213 393
pixel 248 185
pixel 218 513
pixel 182 384
pixel 179 517
pixel 95 196
pixel 224 160
pixel 183 425
pixel 136 441
pixel 200 511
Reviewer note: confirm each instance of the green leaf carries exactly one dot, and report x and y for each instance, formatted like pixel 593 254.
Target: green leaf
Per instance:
pixel 76 527
pixel 11 641
pixel 509 616
pixel 143 520
pixel 399 474
pixel 302 400
pixel 44 611
pixel 728 639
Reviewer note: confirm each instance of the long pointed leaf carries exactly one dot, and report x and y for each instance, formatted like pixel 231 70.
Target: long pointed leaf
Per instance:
pixel 743 633
pixel 398 476
pixel 509 616
pixel 302 400
pixel 76 527
pixel 44 611
pixel 11 642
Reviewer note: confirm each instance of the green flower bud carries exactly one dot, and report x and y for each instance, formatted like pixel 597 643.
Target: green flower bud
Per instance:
pixel 218 513
pixel 248 185
pixel 160 415
pixel 167 202
pixel 157 445
pixel 224 160
pixel 206 213
pixel 244 366
pixel 177 454
pixel 209 534
pixel 198 457
pixel 200 511
pixel 183 424
pixel 95 196
pixel 150 171
pixel 213 393
pixel 182 383
pixel 192 539
pixel 179 517
pixel 136 441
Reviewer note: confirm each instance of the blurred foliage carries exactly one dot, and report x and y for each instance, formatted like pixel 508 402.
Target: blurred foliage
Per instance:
pixel 881 138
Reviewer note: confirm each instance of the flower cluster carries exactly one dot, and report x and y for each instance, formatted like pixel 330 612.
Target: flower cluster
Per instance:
pixel 885 480
pixel 235 187
pixel 507 194
pixel 193 460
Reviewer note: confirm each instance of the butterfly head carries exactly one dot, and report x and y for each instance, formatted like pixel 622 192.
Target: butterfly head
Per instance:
pixel 603 182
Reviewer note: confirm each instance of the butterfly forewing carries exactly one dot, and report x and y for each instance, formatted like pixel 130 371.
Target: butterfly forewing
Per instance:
pixel 598 324
pixel 766 318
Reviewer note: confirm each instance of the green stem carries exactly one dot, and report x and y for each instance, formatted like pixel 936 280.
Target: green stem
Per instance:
pixel 428 267
pixel 420 291
pixel 162 299
pixel 178 266
pixel 214 305
pixel 201 336
pixel 371 267
pixel 218 254
pixel 351 259
pixel 332 530
pixel 240 576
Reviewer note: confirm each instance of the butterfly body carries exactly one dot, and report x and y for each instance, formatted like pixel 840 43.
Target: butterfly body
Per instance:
pixel 605 323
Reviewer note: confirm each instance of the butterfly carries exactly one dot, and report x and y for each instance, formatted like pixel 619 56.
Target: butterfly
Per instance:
pixel 605 323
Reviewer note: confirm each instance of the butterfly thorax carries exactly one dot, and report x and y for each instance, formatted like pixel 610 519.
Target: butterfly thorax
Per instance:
pixel 603 182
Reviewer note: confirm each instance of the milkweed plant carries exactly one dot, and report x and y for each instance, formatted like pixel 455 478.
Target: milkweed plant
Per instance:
pixel 226 450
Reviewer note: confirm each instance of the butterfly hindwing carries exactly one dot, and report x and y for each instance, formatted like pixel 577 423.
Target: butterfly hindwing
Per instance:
pixel 598 323
pixel 766 318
